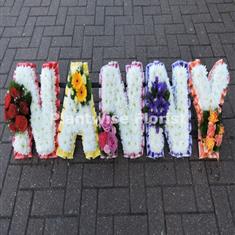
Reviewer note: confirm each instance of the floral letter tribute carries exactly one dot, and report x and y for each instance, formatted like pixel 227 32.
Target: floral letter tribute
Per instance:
pixel 162 108
pixel 167 110
pixel 25 105
pixel 78 115
pixel 122 109
pixel 208 97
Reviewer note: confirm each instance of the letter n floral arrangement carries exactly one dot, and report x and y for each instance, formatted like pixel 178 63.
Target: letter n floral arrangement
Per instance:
pixel 33 112
pixel 208 97
pixel 78 115
pixel 167 110
pixel 121 110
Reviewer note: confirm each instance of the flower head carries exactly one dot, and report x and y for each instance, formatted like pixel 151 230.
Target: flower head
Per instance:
pixel 218 140
pixel 106 122
pixel 213 117
pixel 210 143
pixel 81 93
pixel 7 100
pixel 211 129
pixel 11 112
pixel 21 123
pixel 112 142
pixel 77 81
pixel 103 139
pixel 15 93
pixel 221 130
pixel 24 108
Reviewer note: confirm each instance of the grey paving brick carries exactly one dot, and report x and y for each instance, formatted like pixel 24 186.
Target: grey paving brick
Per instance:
pixel 231 193
pixel 70 53
pixel 81 20
pixel 87 47
pixel 121 172
pixel 72 201
pixel 222 210
pixel 201 34
pixel 36 38
pixel 38 11
pixel 12 31
pixel 159 174
pixel 136 224
pixel 45 20
pixel 98 175
pixel 74 176
pixel 61 17
pixel 99 16
pixel 35 226
pixel 216 45
pixel 44 48
pixel 104 225
pixel 35 176
pixel 199 223
pixel 113 201
pixel 53 30
pixel 61 226
pixel 88 212
pixel 69 25
pixel 187 39
pixel 19 42
pixel 4 225
pixel 201 51
pixel 48 202
pixel 174 224
pixel 65 41
pixel 183 173
pixel 21 213
pixel 58 176
pixel 179 199
pixel 4 159
pixel 223 174
pixel 8 193
pixel 137 188
pixel 155 211
pixel 109 25
pixel 29 26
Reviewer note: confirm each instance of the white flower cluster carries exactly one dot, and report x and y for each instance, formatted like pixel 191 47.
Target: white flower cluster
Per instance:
pixel 209 90
pixel 127 106
pixel 77 120
pixel 177 125
pixel 43 111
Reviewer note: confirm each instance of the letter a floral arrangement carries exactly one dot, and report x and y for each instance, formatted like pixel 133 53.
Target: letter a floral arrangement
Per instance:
pixel 141 111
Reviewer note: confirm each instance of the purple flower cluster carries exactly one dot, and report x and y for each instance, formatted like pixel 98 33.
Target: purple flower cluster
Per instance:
pixel 157 100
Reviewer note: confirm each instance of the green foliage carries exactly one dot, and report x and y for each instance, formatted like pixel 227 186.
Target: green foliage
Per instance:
pixel 166 95
pixel 145 109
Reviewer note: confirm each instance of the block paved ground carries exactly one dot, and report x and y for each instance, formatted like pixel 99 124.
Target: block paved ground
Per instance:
pixel 166 196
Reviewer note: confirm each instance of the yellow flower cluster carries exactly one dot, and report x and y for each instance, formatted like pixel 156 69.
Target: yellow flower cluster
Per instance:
pixel 79 87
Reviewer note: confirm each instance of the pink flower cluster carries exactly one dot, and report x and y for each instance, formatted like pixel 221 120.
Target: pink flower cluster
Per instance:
pixel 108 141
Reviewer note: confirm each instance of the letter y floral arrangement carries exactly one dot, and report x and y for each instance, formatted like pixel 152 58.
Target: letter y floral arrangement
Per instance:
pixel 208 94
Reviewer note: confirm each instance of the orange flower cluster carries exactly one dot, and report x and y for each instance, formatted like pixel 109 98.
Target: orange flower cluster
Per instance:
pixel 212 139
pixel 79 87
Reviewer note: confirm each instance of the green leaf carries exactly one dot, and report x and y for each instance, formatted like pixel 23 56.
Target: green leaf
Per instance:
pixel 216 148
pixel 203 129
pixel 89 89
pixel 145 109
pixel 166 95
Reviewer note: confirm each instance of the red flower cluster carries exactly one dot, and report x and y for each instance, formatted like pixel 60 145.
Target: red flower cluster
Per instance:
pixel 17 107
